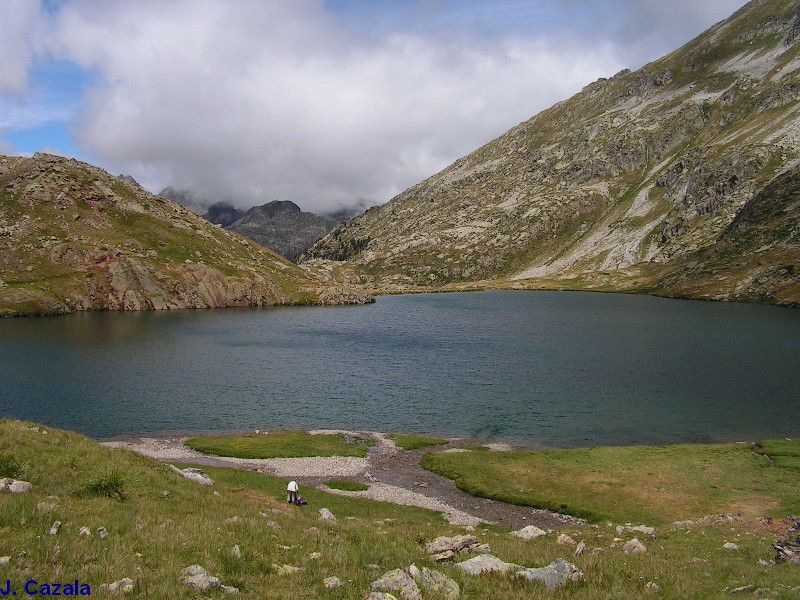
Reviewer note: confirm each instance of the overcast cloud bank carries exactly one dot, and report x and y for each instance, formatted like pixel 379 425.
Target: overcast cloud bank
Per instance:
pixel 321 104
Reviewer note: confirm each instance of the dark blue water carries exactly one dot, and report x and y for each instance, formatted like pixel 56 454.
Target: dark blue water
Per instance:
pixel 536 368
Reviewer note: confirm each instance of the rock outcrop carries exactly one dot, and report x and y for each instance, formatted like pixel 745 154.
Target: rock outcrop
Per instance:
pixel 278 225
pixel 73 237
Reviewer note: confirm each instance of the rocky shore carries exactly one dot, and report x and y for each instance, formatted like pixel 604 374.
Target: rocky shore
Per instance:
pixel 392 474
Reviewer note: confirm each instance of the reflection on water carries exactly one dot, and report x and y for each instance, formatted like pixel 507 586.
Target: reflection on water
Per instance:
pixel 536 368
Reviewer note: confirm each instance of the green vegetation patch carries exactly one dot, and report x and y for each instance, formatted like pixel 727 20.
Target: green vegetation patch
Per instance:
pixel 631 484
pixel 110 485
pixel 168 522
pixel 348 486
pixel 785 447
pixel 278 444
pixel 412 441
pixel 10 467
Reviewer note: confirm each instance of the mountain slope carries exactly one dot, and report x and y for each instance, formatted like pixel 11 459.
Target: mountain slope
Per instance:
pixel 642 170
pixel 278 225
pixel 73 237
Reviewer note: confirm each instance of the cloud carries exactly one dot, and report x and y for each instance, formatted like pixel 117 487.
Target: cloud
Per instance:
pixel 263 100
pixel 19 24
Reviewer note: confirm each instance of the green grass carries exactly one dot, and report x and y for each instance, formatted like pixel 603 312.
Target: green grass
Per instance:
pixel 288 444
pixel 656 485
pixel 154 535
pixel 348 486
pixel 10 467
pixel 110 485
pixel 413 441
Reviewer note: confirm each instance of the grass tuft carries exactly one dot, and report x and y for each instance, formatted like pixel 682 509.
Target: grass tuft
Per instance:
pixel 110 485
pixel 10 467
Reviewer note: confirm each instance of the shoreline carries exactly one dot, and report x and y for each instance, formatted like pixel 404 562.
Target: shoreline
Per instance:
pixel 392 474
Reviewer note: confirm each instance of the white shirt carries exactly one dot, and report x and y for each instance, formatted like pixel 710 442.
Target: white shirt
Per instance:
pixel 292 487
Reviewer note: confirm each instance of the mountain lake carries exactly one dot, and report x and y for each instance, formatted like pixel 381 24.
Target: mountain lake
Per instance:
pixel 538 369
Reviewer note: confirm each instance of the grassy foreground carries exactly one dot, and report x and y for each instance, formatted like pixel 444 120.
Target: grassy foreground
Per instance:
pixel 641 484
pixel 162 523
pixel 285 444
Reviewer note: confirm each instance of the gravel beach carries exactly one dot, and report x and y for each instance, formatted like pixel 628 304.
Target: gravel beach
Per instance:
pixel 393 475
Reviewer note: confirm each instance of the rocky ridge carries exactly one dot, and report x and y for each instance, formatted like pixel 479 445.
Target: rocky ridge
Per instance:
pixel 278 225
pixel 73 237
pixel 654 181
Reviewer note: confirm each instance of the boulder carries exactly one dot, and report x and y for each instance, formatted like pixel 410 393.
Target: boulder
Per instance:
pixel 331 583
pixel 327 516
pixel 4 560
pixel 531 532
pixel 398 581
pixel 565 540
pixel 229 589
pixel 442 556
pixel 380 596
pixel 85 532
pixel 123 586
pixel 193 474
pixel 730 546
pixel 486 563
pixel 634 547
pixel 197 577
pixel 581 547
pixel 455 544
pixel 652 587
pixel 15 486
pixel 787 550
pixel 102 533
pixel 54 528
pixel 435 583
pixel 46 507
pixel 286 569
pixel 554 575
pixel 643 529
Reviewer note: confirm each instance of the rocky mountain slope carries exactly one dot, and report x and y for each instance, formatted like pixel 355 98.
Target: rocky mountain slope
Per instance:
pixel 278 225
pixel 73 237
pixel 662 180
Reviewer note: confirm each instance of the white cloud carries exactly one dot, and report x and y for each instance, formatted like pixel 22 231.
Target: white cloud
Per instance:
pixel 262 100
pixel 19 20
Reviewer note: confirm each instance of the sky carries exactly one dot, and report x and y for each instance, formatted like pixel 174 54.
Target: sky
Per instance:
pixel 328 103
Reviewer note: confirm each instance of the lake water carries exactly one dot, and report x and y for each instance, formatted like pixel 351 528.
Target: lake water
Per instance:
pixel 543 369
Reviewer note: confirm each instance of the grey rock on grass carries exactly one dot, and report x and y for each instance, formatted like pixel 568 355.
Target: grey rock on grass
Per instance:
pixel 557 573
pixel 331 583
pixel 123 586
pixel 197 577
pixel 634 546
pixel 327 516
pixel 398 581
pixel 531 532
pixel 435 582
pixel 15 486
pixel 486 563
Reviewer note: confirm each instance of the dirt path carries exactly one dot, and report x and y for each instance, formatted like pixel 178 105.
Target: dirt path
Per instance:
pixel 394 475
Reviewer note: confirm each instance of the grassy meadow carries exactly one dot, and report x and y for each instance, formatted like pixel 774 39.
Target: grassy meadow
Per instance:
pixel 286 444
pixel 159 523
pixel 638 483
